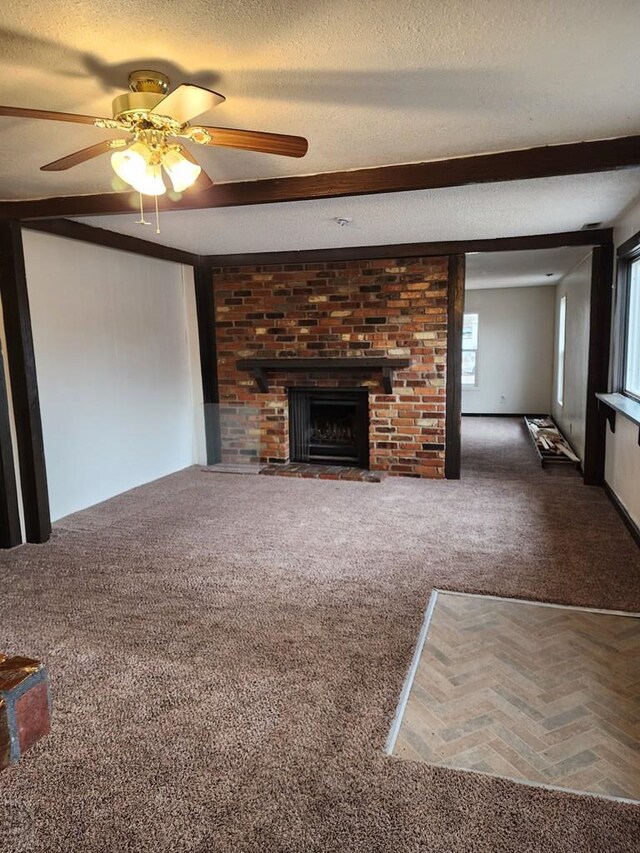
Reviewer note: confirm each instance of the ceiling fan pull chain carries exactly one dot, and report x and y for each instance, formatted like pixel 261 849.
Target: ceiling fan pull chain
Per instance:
pixel 142 220
pixel 157 216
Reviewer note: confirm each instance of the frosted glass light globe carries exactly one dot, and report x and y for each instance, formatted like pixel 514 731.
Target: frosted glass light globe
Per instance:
pixel 183 172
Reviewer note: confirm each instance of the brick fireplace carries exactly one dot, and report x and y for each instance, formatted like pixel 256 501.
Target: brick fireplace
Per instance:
pixel 379 312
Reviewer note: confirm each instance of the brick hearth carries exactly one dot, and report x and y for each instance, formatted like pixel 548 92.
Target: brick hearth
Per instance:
pixel 323 472
pixel 392 308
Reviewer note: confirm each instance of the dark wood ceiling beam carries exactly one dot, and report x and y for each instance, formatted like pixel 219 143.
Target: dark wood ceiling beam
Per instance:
pixel 589 237
pixel 123 242
pixel 110 239
pixel 542 162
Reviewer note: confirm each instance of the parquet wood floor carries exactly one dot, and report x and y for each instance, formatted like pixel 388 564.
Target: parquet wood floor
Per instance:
pixel 530 692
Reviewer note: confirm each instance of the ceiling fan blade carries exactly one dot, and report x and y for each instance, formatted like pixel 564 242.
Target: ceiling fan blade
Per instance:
pixel 49 115
pixel 256 140
pixel 187 101
pixel 81 156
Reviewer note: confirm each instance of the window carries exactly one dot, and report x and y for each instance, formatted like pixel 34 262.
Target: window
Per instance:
pixel 626 365
pixel 470 351
pixel 562 337
pixel 631 372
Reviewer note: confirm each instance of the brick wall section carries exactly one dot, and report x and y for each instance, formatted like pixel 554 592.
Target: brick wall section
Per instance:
pixel 364 308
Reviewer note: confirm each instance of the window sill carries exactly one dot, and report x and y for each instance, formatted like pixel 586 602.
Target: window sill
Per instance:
pixel 619 404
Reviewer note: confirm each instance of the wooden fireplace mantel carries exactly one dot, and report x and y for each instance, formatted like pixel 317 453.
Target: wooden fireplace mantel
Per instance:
pixel 258 367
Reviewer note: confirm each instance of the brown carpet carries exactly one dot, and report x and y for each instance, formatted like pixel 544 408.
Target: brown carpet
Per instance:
pixel 226 654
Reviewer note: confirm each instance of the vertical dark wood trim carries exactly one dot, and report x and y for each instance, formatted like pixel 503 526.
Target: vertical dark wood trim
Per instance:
pixel 206 313
pixel 598 371
pixel 10 533
pixel 24 384
pixel 455 317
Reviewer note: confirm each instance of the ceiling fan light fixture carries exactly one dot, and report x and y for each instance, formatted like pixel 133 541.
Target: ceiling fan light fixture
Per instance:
pixel 182 172
pixel 137 168
pixel 131 163
pixel 150 181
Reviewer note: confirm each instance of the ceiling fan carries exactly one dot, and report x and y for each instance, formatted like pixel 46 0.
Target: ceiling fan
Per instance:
pixel 154 122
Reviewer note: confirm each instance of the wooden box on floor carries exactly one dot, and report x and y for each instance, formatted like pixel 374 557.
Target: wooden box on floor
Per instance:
pixel 24 707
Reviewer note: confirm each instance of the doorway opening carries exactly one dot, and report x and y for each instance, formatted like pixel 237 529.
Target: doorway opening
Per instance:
pixel 526 351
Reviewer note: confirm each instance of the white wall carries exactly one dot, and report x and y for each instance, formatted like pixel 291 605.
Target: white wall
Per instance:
pixel 115 360
pixel 571 416
pixel 622 463
pixel 515 350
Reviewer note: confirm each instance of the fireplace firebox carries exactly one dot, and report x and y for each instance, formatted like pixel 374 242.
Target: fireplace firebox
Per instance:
pixel 329 427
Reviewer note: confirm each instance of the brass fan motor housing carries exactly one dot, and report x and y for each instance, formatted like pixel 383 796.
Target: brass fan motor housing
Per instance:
pixel 135 104
pixel 148 88
pixel 149 81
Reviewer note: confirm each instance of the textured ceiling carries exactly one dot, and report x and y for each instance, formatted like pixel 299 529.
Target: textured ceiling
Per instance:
pixel 460 213
pixel 521 269
pixel 369 82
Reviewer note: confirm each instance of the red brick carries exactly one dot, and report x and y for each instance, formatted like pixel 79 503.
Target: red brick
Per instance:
pixel 32 715
pixel 306 295
pixel 24 706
